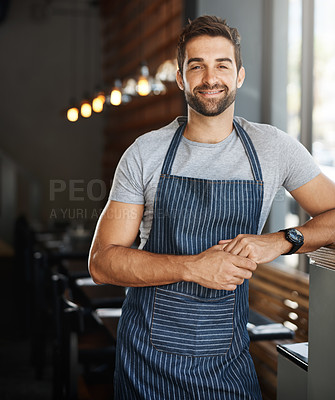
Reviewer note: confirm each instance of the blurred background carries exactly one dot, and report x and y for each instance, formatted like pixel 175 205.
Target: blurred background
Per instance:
pixel 61 58
pixel 57 54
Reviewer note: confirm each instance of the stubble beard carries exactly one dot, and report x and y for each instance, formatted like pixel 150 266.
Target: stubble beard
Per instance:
pixel 210 107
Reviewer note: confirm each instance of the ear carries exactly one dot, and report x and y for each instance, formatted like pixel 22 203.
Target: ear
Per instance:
pixel 240 77
pixel 179 80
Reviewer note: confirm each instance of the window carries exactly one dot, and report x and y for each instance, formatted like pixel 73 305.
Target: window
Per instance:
pixel 293 93
pixel 324 87
pixel 294 67
pixel 310 74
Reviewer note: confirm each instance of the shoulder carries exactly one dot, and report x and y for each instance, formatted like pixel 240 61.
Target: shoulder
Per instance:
pixel 150 148
pixel 281 154
pixel 151 145
pixel 161 135
pixel 255 129
pixel 146 155
pixel 268 137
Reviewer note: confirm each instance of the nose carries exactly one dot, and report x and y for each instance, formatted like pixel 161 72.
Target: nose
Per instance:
pixel 209 76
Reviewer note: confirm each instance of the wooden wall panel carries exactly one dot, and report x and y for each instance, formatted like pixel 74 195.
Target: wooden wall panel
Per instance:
pixel 135 31
pixel 273 292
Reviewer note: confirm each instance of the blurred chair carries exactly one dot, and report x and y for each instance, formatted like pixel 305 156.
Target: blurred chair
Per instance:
pixel 83 351
pixel 40 311
pixel 24 240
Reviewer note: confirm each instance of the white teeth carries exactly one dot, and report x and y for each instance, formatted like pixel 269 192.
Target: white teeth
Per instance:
pixel 211 92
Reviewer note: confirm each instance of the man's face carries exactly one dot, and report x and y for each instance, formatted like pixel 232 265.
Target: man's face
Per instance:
pixel 210 78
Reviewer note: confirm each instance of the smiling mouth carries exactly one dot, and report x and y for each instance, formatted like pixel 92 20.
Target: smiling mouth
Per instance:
pixel 210 92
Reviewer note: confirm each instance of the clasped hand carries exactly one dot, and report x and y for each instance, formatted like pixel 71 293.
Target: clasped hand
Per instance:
pixel 259 248
pixel 230 262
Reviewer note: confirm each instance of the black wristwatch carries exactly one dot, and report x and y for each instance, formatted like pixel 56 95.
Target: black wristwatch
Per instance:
pixel 295 237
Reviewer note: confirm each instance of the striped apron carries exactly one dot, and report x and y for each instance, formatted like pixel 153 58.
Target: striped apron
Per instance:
pixel 182 340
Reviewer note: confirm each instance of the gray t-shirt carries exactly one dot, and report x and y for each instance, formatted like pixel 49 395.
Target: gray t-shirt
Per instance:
pixel 284 162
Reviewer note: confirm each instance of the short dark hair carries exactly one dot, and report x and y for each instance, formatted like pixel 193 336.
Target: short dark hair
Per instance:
pixel 210 26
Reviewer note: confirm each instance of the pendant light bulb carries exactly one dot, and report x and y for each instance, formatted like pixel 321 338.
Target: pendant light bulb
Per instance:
pixel 129 87
pixel 116 97
pixel 116 93
pixel 98 102
pixel 72 114
pixel 102 97
pixel 143 87
pixel 86 109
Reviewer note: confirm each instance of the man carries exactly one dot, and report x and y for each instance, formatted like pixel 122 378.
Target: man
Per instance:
pixel 200 191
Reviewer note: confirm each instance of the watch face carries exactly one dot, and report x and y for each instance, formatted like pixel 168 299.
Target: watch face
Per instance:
pixel 295 236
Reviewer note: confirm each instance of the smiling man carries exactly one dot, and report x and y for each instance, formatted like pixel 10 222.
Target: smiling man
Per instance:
pixel 200 190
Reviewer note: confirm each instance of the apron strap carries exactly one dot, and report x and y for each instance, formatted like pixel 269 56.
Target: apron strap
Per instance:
pixel 171 153
pixel 251 152
pixel 245 139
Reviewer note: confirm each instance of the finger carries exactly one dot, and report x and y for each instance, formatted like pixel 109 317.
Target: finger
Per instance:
pixel 233 248
pixel 238 248
pixel 230 245
pixel 243 274
pixel 244 252
pixel 237 281
pixel 230 287
pixel 246 263
pixel 223 241
pixel 218 247
pixel 238 273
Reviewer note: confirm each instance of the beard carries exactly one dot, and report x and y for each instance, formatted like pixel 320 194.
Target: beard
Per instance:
pixel 210 107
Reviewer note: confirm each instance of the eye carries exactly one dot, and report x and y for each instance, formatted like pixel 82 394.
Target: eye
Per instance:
pixel 195 67
pixel 223 67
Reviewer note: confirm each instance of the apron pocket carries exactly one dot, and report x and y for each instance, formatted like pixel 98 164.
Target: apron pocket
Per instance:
pixel 192 326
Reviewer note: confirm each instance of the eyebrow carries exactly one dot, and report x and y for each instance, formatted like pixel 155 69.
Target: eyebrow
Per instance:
pixel 199 59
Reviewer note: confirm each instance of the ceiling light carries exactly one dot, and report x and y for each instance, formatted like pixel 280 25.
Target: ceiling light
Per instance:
pixel 72 114
pixel 167 71
pixel 143 86
pixel 130 87
pixel 85 109
pixel 116 93
pixel 98 102
pixel 116 97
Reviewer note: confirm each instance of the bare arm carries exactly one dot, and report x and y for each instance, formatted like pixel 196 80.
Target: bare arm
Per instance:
pixel 112 260
pixel 317 198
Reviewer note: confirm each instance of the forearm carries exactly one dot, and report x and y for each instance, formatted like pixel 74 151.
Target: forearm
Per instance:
pixel 112 261
pixel 317 197
pixel 125 266
pixel 318 231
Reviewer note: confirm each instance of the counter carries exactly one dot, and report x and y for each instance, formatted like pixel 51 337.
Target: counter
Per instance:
pixel 306 371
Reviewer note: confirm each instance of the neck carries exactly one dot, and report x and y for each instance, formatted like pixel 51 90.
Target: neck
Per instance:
pixel 209 129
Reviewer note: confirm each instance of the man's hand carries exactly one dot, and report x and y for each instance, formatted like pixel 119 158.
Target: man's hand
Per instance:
pixel 259 248
pixel 217 269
